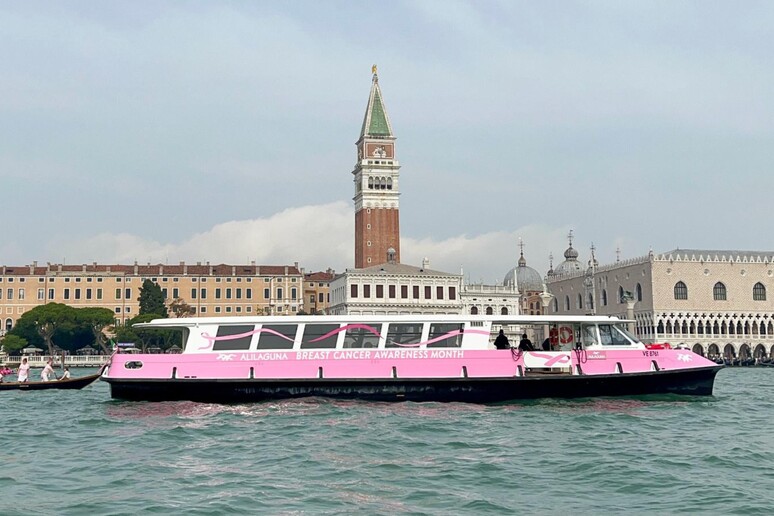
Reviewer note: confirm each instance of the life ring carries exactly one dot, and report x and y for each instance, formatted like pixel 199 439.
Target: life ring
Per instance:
pixel 565 335
pixel 553 335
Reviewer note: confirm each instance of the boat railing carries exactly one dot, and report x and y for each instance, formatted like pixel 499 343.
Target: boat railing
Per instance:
pixel 69 360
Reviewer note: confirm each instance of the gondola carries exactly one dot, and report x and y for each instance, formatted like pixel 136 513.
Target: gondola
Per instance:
pixel 72 383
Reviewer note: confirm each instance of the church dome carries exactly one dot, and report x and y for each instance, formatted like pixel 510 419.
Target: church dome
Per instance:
pixel 570 263
pixel 525 278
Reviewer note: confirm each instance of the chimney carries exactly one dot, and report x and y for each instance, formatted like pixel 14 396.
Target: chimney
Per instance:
pixel 425 262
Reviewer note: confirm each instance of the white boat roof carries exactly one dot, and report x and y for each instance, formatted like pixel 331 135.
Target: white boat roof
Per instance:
pixel 188 322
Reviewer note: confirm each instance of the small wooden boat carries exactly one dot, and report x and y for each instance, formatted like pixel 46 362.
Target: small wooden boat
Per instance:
pixel 72 383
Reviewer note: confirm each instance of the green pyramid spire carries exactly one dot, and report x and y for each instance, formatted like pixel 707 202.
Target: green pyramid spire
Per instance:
pixel 376 123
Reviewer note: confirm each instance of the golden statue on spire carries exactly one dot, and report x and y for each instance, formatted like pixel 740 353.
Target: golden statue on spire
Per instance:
pixel 373 69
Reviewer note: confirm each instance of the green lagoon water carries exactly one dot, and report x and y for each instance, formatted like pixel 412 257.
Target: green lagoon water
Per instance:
pixel 79 452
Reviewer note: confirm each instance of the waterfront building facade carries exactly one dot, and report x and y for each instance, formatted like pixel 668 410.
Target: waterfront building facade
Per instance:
pixel 376 174
pixel 716 302
pixel 395 289
pixel 317 291
pixel 209 290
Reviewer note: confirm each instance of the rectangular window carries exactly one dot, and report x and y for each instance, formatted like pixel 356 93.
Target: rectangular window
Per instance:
pixel 322 298
pixel 363 337
pixel 66 293
pixel 88 293
pixel 379 291
pixel 447 335
pixel 99 293
pixel 439 292
pixel 175 293
pixel 51 293
pixel 164 293
pixel 415 291
pixel 279 293
pixel 228 293
pixel 270 340
pixel 249 293
pixel 391 291
pixel 203 293
pixel 128 294
pixel 193 293
pixel 21 293
pixel 293 293
pixel 311 299
pixel 41 294
pixel 404 291
pixel 452 293
pixel 353 291
pixel 366 291
pixel 238 343
pixel 403 333
pixel 217 293
pixel 266 294
pixel 320 336
pixel 239 293
pixel 77 293
pixel 428 292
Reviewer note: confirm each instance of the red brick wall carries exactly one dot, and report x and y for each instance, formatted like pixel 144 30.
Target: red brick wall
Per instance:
pixel 384 233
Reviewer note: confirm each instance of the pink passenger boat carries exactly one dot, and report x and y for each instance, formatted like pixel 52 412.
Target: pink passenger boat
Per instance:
pixel 402 358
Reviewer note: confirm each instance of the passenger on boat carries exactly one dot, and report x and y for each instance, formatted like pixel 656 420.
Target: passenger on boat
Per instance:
pixel 47 371
pixel 66 374
pixel 501 342
pixel 23 374
pixel 546 345
pixel 525 344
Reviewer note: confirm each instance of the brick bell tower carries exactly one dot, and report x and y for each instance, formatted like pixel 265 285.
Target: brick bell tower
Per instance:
pixel 377 226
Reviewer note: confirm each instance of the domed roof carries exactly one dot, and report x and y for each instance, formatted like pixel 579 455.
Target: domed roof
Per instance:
pixel 570 263
pixel 525 278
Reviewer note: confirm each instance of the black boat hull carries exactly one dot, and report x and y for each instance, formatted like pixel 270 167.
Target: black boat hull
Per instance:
pixel 693 382
pixel 72 383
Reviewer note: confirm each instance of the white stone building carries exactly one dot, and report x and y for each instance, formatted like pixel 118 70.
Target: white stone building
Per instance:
pixel 714 302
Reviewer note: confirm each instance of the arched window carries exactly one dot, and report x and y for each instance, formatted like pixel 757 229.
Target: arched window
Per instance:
pixel 590 302
pixel 620 294
pixel 389 183
pixel 719 291
pixel 8 324
pixel 489 310
pixel 556 305
pixel 580 302
pixel 371 183
pixel 639 292
pixel 473 310
pixel 567 303
pixel 660 328
pixel 504 311
pixel 383 184
pixel 604 297
pixel 759 292
pixel 681 291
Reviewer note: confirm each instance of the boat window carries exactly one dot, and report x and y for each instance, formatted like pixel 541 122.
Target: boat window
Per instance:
pixel 612 336
pixel 320 336
pixel 589 335
pixel 234 342
pixel 277 336
pixel 399 335
pixel 448 335
pixel 363 335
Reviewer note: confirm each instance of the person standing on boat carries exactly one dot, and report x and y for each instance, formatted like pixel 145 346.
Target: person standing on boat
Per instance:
pixel 525 344
pixel 23 374
pixel 47 371
pixel 501 342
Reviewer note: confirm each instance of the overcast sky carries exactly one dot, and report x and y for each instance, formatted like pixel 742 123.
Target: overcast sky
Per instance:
pixel 224 131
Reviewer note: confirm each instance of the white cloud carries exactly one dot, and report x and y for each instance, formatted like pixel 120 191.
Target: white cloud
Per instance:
pixel 317 237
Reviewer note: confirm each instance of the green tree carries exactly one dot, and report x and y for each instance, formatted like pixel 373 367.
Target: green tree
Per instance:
pixel 13 343
pixel 152 300
pixel 97 320
pixel 49 318
pixel 180 308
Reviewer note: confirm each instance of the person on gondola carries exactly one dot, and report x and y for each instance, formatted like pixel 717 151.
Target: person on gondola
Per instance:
pixel 525 344
pixel 47 372
pixel 23 374
pixel 66 374
pixel 501 342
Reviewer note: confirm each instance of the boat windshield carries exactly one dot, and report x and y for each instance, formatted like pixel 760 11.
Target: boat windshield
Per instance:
pixel 614 335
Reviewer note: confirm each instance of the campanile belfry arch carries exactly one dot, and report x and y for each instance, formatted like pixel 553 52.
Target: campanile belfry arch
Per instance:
pixel 376 173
